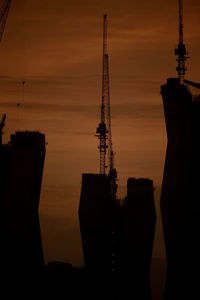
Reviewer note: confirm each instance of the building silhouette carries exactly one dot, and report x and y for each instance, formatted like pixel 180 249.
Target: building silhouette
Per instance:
pixel 180 195
pixel 117 239
pixel 139 229
pixel 180 205
pixel 95 226
pixel 22 162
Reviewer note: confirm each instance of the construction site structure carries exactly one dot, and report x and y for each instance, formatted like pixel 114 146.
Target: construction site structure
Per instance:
pixel 133 237
pixel 180 205
pixel 117 239
pixel 22 162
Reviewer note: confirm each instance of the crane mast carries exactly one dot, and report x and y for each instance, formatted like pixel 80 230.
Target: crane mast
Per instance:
pixel 181 50
pixel 4 9
pixel 2 124
pixel 104 129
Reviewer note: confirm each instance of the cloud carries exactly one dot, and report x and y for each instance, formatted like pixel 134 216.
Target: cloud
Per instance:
pixel 132 110
pixel 63 37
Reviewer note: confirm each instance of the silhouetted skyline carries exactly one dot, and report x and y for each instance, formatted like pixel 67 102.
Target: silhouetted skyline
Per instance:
pixel 55 49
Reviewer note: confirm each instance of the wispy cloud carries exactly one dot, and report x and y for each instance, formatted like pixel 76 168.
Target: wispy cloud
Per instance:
pixel 139 110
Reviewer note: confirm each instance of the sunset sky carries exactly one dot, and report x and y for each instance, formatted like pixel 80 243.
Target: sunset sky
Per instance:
pixel 56 48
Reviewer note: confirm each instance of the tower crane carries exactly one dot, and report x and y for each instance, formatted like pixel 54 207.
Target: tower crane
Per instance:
pixel 4 9
pixel 103 131
pixel 181 50
pixel 2 124
pixel 191 83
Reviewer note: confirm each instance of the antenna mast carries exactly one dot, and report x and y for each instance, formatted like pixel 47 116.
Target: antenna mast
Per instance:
pixel 181 50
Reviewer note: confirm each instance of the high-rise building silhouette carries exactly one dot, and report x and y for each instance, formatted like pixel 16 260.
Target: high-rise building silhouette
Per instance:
pixel 132 241
pixel 117 239
pixel 138 236
pixel 22 162
pixel 180 205
pixel 95 221
pixel 180 195
pixel 96 232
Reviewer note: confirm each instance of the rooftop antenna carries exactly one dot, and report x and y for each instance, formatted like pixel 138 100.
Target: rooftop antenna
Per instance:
pixel 181 50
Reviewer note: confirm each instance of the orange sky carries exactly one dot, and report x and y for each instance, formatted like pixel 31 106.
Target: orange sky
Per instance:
pixel 56 47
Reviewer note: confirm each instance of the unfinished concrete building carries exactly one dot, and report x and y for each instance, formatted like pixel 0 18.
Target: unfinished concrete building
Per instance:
pixel 22 162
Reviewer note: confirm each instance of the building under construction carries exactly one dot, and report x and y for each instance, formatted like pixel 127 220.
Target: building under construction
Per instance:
pixel 117 238
pixel 22 161
pixel 180 197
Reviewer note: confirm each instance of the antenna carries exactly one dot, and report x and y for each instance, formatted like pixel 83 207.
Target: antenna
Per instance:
pixel 181 50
